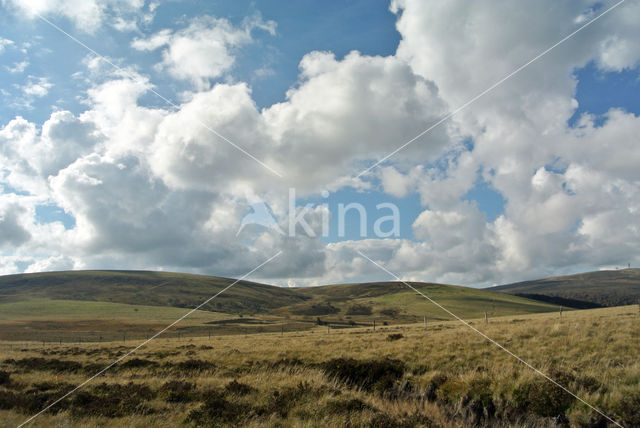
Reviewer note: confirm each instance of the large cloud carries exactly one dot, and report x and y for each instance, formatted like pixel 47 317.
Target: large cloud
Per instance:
pixel 341 113
pixel 205 49
pixel 30 157
pixel 12 231
pixel 570 192
pixel 186 153
pixel 87 15
pixel 352 110
pixel 157 188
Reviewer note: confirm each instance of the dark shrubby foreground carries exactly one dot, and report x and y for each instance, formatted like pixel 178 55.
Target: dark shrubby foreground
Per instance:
pixel 370 375
pixel 473 402
pixel 397 376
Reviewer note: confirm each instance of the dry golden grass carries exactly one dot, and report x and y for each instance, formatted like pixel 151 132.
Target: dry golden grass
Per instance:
pixel 452 377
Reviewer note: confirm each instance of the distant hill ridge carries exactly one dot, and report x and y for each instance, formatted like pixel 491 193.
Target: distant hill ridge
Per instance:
pixel 109 305
pixel 147 288
pixel 583 290
pixel 392 299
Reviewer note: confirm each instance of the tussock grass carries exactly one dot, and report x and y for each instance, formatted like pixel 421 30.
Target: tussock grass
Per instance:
pixel 444 375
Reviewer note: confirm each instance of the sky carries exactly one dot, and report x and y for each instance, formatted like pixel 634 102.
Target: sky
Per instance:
pixel 207 137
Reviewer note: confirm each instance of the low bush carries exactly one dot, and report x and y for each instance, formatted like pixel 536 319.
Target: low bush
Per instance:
pixel 394 336
pixel 281 402
pixel 369 375
pixel 136 363
pixel 431 390
pixel 342 406
pixel 177 391
pixel 382 420
pixel 8 400
pixel 359 309
pixel 54 365
pixel 217 410
pixel 324 308
pixel 590 384
pixel 282 363
pixel 542 397
pixel 478 401
pixel 390 312
pixel 194 366
pixel 5 378
pixel 236 388
pixel 33 400
pixel 52 386
pixel 626 410
pixel 112 400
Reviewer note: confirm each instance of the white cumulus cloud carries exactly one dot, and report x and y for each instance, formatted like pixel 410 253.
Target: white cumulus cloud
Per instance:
pixel 203 50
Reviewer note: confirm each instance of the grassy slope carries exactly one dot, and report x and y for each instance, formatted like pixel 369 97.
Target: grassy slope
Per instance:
pixel 43 309
pixel 607 288
pixel 185 290
pixel 73 320
pixel 463 301
pixel 147 288
pixel 107 304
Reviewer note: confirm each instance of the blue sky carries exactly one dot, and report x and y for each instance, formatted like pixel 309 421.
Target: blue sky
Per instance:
pixel 598 91
pixel 467 193
pixel 366 26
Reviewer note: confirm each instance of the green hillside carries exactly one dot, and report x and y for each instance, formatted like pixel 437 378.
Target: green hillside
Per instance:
pixel 109 304
pixel 75 320
pixel 601 288
pixel 147 288
pixel 396 301
pixel 47 309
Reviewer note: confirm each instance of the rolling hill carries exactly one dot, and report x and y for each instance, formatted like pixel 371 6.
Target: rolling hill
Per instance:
pixel 584 290
pixel 147 288
pixel 108 304
pixel 396 301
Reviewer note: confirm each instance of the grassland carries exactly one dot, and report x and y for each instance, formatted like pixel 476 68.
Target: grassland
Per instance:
pixel 465 301
pixel 401 375
pixel 604 288
pixel 110 305
pixel 47 309
pixel 147 288
pixel 72 320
